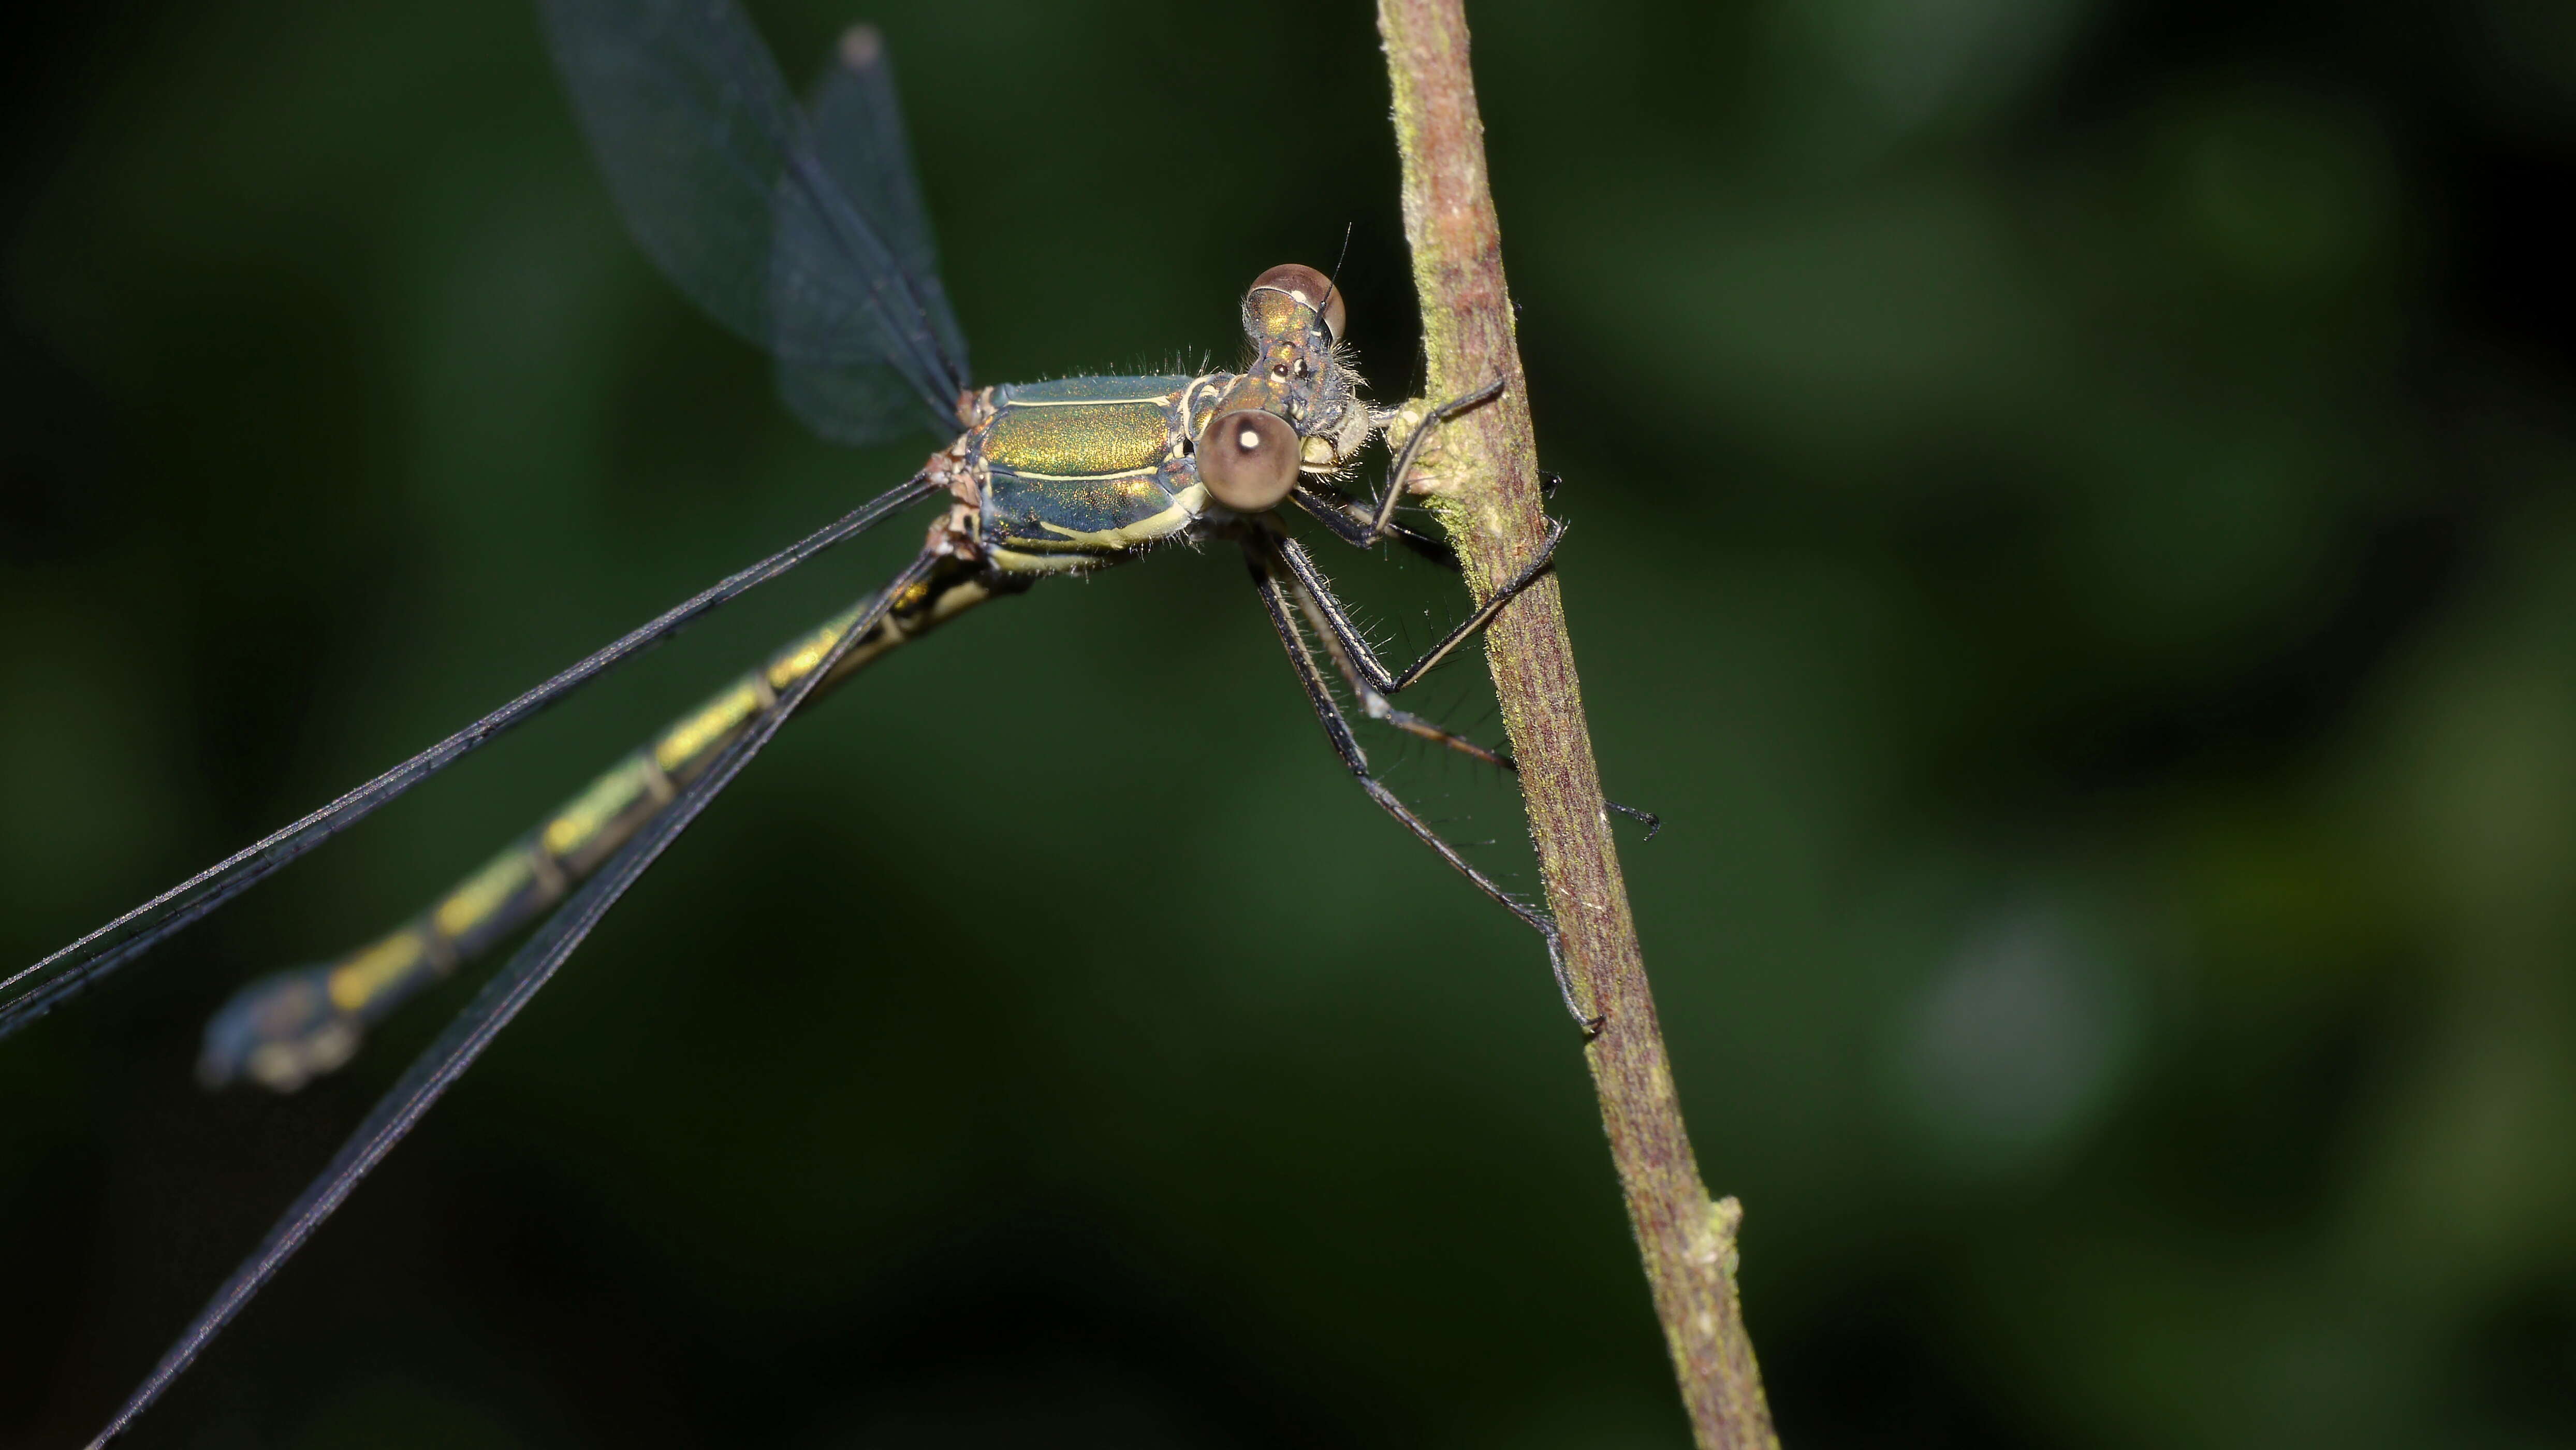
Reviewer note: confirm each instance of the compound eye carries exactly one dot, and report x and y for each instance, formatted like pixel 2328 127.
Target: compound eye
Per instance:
pixel 1248 459
pixel 1310 287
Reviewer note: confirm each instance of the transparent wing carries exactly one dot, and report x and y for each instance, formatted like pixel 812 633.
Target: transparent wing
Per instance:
pixel 491 1010
pixel 723 181
pixel 857 125
pixel 860 138
pixel 33 991
pixel 857 406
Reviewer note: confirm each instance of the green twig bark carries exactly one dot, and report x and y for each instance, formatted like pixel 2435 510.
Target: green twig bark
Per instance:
pixel 1485 489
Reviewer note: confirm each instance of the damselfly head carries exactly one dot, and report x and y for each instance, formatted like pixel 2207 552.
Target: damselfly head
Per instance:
pixel 1248 459
pixel 1293 316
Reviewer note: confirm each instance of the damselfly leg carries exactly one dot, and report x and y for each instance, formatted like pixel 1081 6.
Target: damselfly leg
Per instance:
pixel 1363 663
pixel 1355 523
pixel 1279 584
pixel 1383 524
pixel 1370 681
pixel 1359 665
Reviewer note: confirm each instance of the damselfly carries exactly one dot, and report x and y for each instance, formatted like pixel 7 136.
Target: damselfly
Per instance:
pixel 801 227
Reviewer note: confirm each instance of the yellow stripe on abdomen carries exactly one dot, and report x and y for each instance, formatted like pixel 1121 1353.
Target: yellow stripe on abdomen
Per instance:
pixel 288 1028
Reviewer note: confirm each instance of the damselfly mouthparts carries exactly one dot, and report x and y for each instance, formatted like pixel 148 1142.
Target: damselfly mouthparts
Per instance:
pixel 801 227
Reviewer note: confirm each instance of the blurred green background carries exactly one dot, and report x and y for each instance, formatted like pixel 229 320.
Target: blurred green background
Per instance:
pixel 2074 533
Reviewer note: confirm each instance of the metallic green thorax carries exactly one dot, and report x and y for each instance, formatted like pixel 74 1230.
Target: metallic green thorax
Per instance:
pixel 1083 472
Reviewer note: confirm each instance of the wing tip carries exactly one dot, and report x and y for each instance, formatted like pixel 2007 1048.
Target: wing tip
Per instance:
pixel 862 47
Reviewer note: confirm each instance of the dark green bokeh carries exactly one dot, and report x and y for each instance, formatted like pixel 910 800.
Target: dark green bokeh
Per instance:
pixel 2073 530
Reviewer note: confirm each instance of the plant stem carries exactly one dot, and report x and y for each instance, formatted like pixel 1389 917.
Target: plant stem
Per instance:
pixel 1487 494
